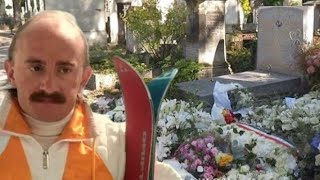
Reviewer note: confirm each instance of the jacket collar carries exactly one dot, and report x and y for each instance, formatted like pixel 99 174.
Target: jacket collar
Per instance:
pixel 79 127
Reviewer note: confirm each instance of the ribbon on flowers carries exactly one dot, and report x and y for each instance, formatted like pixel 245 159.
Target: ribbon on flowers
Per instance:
pixel 265 135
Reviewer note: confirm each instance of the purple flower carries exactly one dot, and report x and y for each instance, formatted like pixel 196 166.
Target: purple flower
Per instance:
pixel 208 169
pixel 193 166
pixel 194 143
pixel 206 157
pixel 183 150
pixel 198 162
pixel 200 145
pixel 316 141
pixel 190 156
pixel 208 139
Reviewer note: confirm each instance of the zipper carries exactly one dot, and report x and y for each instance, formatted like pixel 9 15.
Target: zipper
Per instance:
pixel 45 160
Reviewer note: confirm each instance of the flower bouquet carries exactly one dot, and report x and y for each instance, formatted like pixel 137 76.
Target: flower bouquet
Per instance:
pixel 238 151
pixel 298 124
pixel 310 63
pixel 202 159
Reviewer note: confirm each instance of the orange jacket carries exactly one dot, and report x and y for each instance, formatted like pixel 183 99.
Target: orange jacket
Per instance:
pixel 90 147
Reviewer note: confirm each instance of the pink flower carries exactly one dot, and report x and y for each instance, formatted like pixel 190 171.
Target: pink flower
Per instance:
pixel 316 62
pixel 193 166
pixel 206 157
pixel 309 62
pixel 214 151
pixel 311 69
pixel 208 176
pixel 208 169
pixel 194 143
pixel 198 162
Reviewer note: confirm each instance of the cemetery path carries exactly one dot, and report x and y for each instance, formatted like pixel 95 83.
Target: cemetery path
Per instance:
pixel 5 40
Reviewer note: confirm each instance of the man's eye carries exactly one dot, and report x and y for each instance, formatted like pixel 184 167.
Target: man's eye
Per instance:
pixel 64 70
pixel 36 68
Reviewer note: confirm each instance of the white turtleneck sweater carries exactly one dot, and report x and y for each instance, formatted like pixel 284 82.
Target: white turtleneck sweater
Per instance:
pixel 46 133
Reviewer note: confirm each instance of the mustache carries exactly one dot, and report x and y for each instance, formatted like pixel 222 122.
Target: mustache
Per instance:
pixel 42 96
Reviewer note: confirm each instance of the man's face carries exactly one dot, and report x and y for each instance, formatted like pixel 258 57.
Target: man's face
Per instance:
pixel 48 72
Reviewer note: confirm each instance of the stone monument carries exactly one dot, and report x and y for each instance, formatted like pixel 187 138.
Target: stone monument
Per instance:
pixel 281 32
pixel 89 14
pixel 211 32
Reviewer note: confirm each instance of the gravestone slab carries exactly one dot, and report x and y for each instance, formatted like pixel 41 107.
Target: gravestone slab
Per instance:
pixel 211 32
pixel 281 31
pixel 89 14
pixel 260 83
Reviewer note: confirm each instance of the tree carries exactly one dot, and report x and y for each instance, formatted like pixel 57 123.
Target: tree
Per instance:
pixel 158 37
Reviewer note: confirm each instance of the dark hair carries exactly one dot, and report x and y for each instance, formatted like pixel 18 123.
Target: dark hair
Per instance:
pixel 61 14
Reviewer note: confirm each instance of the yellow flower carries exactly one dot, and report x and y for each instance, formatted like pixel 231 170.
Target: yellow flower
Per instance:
pixel 224 159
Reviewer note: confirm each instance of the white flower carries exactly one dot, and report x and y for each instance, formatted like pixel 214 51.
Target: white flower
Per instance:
pixel 200 169
pixel 286 127
pixel 209 145
pixel 244 169
pixel 317 162
pixel 103 102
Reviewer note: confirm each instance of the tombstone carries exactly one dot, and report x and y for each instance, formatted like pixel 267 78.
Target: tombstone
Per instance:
pixel 89 15
pixel 281 31
pixel 9 7
pixel 316 5
pixel 232 16
pixel 191 50
pixel 35 7
pixel 212 32
pixel 131 42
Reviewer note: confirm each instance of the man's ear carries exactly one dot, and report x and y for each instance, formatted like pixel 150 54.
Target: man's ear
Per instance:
pixel 8 66
pixel 86 76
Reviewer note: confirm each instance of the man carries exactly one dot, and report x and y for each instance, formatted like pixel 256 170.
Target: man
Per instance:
pixel 46 130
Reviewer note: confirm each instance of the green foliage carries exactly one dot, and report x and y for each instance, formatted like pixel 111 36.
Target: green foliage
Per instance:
pixel 156 36
pixel 246 7
pixel 273 2
pixel 101 59
pixel 188 71
pixel 240 59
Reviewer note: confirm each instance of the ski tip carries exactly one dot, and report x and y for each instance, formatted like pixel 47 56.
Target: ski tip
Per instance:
pixel 118 59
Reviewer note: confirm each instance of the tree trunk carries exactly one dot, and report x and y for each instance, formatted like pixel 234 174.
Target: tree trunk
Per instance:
pixel 16 12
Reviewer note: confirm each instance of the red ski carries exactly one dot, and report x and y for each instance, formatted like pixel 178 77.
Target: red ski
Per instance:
pixel 139 121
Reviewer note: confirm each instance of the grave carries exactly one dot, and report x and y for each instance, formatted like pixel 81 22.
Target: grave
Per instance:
pixel 280 30
pixel 89 14
pixel 206 36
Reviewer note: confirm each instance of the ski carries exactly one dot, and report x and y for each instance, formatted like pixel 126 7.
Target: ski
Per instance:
pixel 139 121
pixel 142 106
pixel 158 88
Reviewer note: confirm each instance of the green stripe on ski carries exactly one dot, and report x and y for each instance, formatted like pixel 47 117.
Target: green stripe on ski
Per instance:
pixel 158 88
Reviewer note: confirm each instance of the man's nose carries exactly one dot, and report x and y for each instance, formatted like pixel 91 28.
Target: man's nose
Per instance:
pixel 47 83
